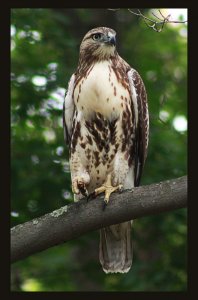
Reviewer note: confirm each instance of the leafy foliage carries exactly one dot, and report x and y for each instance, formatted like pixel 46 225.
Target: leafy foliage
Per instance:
pixel 44 54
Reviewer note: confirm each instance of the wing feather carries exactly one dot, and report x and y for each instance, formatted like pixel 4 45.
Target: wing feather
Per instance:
pixel 68 110
pixel 140 106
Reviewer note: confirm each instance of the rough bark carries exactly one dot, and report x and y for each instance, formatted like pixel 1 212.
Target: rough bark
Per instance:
pixel 76 219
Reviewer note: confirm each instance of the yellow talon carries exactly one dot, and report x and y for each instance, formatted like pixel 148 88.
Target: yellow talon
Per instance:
pixel 108 189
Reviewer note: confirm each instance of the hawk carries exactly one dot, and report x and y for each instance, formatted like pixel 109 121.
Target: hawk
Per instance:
pixel 106 125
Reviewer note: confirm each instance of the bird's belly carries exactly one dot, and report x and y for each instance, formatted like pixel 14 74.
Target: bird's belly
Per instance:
pixel 100 101
pixel 100 92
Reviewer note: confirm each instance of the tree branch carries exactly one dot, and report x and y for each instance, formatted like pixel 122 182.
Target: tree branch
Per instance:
pixel 76 219
pixel 151 23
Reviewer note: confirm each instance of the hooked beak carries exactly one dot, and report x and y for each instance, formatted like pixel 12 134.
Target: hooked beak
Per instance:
pixel 111 40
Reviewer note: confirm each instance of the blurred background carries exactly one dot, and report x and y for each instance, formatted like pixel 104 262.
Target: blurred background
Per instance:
pixel 44 54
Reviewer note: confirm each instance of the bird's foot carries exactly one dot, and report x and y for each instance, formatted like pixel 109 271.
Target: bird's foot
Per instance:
pixel 79 186
pixel 108 190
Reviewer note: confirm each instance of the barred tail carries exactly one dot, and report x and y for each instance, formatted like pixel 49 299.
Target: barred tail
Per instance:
pixel 115 250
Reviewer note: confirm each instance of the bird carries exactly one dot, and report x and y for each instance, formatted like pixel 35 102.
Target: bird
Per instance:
pixel 106 126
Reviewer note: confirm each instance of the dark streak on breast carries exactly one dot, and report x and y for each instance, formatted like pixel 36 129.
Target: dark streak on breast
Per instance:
pixel 114 91
pixel 88 153
pixel 112 128
pixel 83 145
pixel 89 140
pixel 76 134
pixel 97 159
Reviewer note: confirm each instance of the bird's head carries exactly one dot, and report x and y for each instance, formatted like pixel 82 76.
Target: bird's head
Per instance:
pixel 99 43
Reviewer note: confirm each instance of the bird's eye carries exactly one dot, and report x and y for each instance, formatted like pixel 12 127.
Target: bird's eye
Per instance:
pixel 96 36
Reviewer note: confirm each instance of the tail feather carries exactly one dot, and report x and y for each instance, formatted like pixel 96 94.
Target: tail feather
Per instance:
pixel 115 251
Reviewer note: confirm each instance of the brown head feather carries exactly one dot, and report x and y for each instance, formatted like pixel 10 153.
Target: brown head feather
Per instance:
pixel 91 49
